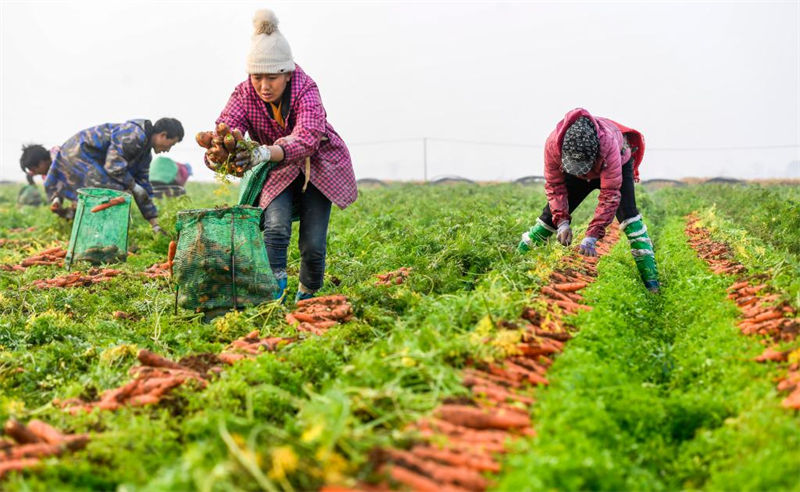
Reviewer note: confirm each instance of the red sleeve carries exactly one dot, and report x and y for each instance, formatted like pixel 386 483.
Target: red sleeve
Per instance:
pixel 554 186
pixel 309 127
pixel 608 201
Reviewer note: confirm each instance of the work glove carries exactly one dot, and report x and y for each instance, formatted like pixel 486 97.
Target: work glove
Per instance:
pixel 157 228
pixel 55 205
pixel 587 246
pixel 564 233
pixel 250 159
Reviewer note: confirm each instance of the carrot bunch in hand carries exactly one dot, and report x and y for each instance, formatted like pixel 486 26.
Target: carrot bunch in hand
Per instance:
pixel 223 144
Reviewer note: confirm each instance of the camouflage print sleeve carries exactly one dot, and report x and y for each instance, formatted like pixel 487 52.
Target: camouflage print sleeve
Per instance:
pixel 140 172
pixel 127 141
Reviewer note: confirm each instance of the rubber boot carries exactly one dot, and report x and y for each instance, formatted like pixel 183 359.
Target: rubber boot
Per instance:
pixel 642 251
pixel 303 293
pixel 282 282
pixel 538 235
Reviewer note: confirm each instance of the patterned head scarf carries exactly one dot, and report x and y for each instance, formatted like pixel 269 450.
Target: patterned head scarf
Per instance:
pixel 579 147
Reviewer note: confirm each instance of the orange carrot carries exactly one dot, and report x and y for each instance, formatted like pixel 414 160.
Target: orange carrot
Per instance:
pixel 475 461
pixel 36 450
pixel 46 432
pixel 148 358
pixel 768 316
pixel 16 465
pixel 772 355
pixel 569 286
pixel 413 480
pixel 477 418
pixel 173 247
pixel 20 432
pixel 114 201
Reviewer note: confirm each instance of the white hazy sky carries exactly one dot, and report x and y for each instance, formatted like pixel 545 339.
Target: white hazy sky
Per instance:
pixel 709 75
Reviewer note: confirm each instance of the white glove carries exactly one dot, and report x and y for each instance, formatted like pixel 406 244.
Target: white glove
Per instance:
pixel 564 233
pixel 259 155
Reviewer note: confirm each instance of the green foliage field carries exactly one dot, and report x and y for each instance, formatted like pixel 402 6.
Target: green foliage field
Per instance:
pixel 654 392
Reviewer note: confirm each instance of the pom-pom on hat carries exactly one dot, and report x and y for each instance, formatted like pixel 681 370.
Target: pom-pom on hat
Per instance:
pixel 579 147
pixel 269 51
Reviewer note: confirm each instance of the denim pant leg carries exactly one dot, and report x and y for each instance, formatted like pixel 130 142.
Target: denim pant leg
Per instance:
pixel 627 205
pixel 577 190
pixel 315 212
pixel 277 224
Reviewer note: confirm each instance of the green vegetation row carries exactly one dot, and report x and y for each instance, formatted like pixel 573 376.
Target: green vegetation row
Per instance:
pixel 659 393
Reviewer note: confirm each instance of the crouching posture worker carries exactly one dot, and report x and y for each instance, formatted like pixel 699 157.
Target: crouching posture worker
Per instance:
pixel 582 154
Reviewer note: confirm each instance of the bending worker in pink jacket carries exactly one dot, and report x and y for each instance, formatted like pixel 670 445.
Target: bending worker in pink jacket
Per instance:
pixel 582 154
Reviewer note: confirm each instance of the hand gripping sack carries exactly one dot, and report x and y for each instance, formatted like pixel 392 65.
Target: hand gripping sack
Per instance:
pixel 221 260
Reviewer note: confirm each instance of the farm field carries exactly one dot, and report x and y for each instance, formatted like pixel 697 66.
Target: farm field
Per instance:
pixel 471 368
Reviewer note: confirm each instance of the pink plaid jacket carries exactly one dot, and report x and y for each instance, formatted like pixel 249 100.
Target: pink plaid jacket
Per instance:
pixel 307 134
pixel 614 152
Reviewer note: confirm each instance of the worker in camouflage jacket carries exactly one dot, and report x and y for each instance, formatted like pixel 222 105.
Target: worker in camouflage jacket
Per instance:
pixel 582 154
pixel 115 156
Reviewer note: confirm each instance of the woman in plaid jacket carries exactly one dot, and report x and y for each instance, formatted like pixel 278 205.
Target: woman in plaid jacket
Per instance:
pixel 280 107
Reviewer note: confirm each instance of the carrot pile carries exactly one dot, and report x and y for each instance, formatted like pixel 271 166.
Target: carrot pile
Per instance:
pixel 52 256
pixel 396 277
pixel 27 444
pixel 763 311
pixel 318 314
pixel 153 379
pixel 77 279
pixel 458 443
pixel 111 203
pixel 158 270
pixel 250 346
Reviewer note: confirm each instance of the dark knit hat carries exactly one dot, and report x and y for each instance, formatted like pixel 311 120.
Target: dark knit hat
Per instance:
pixel 579 147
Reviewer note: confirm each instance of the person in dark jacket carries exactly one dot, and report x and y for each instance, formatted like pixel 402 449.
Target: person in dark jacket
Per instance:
pixel 115 156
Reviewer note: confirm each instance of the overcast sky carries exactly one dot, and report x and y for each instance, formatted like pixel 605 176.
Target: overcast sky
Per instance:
pixel 688 75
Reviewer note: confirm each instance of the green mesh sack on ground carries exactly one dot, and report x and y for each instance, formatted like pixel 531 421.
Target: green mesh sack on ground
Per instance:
pixel 29 195
pixel 100 236
pixel 221 261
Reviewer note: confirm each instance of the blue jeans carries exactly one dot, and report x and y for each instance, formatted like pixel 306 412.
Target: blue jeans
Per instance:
pixel 314 210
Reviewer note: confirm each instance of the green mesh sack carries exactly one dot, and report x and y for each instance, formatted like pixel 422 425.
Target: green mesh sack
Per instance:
pixel 221 261
pixel 163 170
pixel 102 236
pixel 29 195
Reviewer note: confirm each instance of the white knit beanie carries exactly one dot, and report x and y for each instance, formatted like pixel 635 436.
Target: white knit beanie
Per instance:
pixel 269 51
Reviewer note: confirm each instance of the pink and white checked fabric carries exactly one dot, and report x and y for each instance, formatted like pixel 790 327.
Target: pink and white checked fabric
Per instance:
pixel 307 134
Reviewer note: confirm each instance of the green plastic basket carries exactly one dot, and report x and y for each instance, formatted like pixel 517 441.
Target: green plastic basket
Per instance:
pixel 99 237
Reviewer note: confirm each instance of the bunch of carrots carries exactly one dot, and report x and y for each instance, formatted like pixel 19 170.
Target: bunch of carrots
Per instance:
pixel 30 443
pixel 222 145
pixel 318 314
pixel 717 254
pixel 52 256
pixel 250 346
pixel 77 279
pixel 161 270
pixel 395 277
pixel 153 379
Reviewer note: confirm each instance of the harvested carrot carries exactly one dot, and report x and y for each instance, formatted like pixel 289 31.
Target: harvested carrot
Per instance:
pixel 772 355
pixel 17 465
pixel 475 461
pixel 413 480
pixel 20 432
pixel 477 418
pixel 148 358
pixel 45 432
pixel 569 286
pixel 113 202
pixel 35 450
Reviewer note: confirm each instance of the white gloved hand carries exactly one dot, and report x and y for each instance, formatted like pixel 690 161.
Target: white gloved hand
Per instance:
pixel 564 233
pixel 259 155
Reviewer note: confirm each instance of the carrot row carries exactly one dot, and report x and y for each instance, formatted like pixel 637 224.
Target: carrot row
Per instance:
pixel 458 443
pixel 763 313
pixel 77 279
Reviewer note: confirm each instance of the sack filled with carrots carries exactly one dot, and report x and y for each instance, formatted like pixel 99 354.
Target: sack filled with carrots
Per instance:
pixel 223 145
